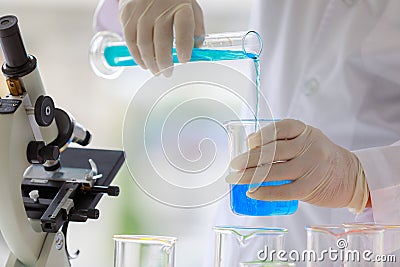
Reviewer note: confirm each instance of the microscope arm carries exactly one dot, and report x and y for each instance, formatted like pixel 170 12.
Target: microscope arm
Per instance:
pixel 16 132
pixel 14 223
pixel 28 245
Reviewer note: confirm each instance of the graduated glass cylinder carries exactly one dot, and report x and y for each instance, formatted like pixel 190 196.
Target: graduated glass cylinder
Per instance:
pixel 144 251
pixel 236 245
pixel 238 132
pixel 108 53
pixel 344 245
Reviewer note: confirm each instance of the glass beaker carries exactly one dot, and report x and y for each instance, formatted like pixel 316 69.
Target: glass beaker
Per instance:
pixel 267 264
pixel 108 53
pixel 344 245
pixel 238 131
pixel 391 245
pixel 144 251
pixel 235 245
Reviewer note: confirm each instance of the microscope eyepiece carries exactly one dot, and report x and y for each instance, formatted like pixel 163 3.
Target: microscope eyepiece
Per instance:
pixel 8 26
pixel 11 42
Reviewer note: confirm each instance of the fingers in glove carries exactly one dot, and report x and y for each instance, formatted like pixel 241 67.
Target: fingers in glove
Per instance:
pixel 184 23
pixel 145 43
pixel 282 150
pixel 199 29
pixel 249 176
pixel 280 171
pixel 273 193
pixel 163 38
pixel 129 25
pixel 281 130
pixel 302 188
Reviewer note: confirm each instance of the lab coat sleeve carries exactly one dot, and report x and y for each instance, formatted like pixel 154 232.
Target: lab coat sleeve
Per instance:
pixel 106 17
pixel 382 170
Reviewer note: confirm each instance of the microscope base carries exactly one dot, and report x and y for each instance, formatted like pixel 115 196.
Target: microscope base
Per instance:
pixel 53 253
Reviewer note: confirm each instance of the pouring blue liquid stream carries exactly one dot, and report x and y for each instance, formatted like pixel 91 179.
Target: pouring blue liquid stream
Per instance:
pixel 119 56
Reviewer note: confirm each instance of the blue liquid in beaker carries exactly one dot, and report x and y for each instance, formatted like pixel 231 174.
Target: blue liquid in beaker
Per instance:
pixel 243 205
pixel 119 56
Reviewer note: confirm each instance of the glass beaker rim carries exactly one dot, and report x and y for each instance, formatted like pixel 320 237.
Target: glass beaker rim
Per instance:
pixel 372 225
pixel 347 229
pixel 149 239
pixel 253 230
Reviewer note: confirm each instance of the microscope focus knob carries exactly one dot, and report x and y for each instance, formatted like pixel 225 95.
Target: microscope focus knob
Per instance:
pixel 112 191
pixel 82 215
pixel 44 111
pixel 38 152
pixel 93 213
pixel 50 152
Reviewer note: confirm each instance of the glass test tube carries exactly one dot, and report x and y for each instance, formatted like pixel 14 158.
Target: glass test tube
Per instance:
pixel 109 54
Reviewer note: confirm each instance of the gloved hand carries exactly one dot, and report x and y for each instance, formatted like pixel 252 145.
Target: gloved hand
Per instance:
pixel 323 173
pixel 148 27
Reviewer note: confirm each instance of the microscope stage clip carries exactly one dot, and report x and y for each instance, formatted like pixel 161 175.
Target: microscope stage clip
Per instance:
pixel 37 174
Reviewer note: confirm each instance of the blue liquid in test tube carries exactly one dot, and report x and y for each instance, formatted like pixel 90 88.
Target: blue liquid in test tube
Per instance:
pixel 119 56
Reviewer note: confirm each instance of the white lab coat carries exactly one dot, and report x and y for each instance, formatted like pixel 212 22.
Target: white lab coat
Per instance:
pixel 335 64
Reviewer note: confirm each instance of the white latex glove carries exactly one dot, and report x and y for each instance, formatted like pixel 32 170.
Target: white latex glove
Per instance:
pixel 323 173
pixel 148 27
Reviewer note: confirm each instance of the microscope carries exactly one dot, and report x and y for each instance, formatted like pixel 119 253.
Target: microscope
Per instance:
pixel 44 184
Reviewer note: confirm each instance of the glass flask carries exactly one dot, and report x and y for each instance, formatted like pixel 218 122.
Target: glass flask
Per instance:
pixel 344 245
pixel 238 131
pixel 235 245
pixel 109 55
pixel 144 251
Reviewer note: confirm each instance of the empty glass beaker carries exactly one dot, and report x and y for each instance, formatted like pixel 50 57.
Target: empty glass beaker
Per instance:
pixel 238 131
pixel 144 251
pixel 390 244
pixel 344 245
pixel 235 245
pixel 267 264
